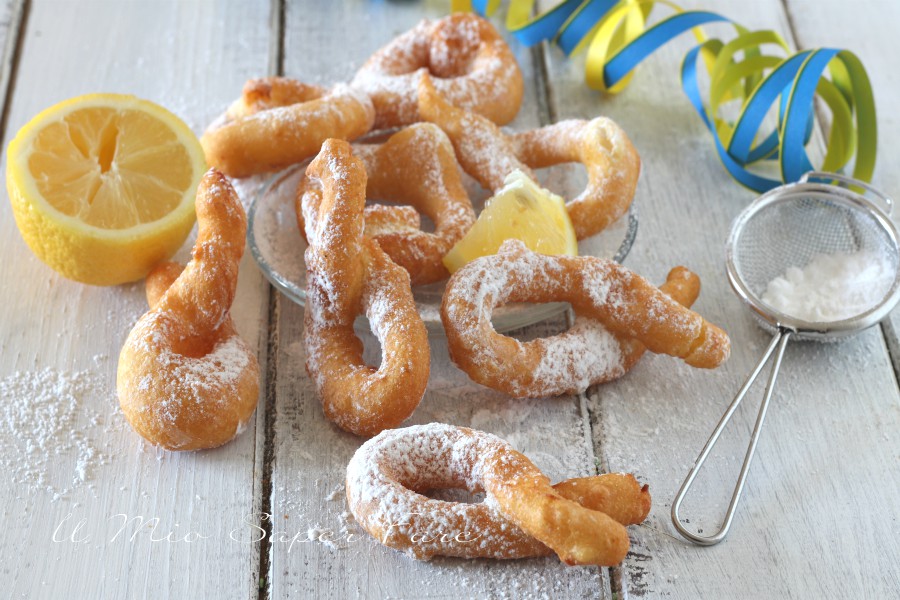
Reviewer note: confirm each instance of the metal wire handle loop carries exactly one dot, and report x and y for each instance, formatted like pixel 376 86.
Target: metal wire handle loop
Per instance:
pixel 777 346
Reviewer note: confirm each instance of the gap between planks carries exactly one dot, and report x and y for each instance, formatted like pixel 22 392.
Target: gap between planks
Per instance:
pixel 547 115
pixel 265 443
pixel 18 19
pixel 888 331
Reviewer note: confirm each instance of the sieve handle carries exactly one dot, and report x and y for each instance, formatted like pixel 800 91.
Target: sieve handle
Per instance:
pixel 776 347
pixel 888 207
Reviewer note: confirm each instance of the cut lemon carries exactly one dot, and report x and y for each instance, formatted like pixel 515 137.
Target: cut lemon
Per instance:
pixel 521 210
pixel 102 186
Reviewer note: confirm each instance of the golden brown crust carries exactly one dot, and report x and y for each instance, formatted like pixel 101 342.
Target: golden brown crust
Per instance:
pixel 618 313
pixel 348 273
pixel 578 535
pixel 482 149
pixel 619 495
pixel 416 169
pixel 470 62
pixel 383 219
pixel 520 517
pixel 489 155
pixel 186 380
pixel 159 280
pixel 271 92
pixel 278 137
pixel 681 285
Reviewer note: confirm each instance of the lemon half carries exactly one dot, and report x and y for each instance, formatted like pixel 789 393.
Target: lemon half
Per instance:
pixel 521 210
pixel 102 186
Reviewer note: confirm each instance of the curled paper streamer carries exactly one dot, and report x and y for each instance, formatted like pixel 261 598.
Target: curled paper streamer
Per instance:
pixel 618 38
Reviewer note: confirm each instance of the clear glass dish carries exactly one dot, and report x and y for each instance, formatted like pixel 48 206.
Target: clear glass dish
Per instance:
pixel 277 246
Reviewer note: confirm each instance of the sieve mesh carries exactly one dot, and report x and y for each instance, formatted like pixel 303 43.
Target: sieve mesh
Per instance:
pixel 795 228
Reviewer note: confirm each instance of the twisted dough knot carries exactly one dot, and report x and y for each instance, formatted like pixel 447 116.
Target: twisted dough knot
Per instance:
pixel 348 273
pixel 415 168
pixel 471 64
pixel 279 122
pixel 489 155
pixel 619 316
pixel 581 520
pixel 186 380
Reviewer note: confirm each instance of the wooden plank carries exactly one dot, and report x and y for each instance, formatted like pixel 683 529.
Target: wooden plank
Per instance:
pixel 821 485
pixel 60 340
pixel 311 454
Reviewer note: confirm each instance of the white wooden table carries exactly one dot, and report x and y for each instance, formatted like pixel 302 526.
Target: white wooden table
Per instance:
pixel 91 511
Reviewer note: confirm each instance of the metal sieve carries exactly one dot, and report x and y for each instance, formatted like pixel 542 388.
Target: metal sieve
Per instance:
pixel 783 228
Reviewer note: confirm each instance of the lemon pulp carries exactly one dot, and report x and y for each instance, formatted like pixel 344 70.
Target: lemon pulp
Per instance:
pixel 521 210
pixel 102 186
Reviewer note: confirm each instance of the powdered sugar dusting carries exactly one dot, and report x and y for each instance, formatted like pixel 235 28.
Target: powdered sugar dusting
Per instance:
pixel 45 423
pixel 470 71
pixel 583 355
pixel 572 361
pixel 202 376
pixel 421 172
pixel 346 272
pixel 205 386
pixel 555 365
pixel 832 287
pixel 487 151
pixel 307 486
pixel 612 163
pixel 384 472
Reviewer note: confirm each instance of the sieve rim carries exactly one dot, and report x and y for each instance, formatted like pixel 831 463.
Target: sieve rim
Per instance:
pixel 779 320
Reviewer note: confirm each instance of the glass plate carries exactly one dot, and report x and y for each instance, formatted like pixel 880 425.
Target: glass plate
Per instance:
pixel 277 246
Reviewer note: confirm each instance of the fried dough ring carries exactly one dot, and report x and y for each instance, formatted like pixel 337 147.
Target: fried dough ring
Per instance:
pixel 582 520
pixel 471 63
pixel 254 139
pixel 489 155
pixel 346 273
pixel 618 314
pixel 186 380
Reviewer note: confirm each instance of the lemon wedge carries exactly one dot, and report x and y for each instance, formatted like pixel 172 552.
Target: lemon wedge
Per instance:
pixel 102 186
pixel 521 210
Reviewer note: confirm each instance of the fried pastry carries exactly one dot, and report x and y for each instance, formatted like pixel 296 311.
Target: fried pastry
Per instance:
pixel 618 315
pixel 259 134
pixel 348 273
pixel 470 62
pixel 581 520
pixel 489 155
pixel 186 379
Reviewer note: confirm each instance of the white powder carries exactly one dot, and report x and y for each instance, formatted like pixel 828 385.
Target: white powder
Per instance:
pixel 831 287
pixel 43 425
pixel 570 362
pixel 384 471
pixel 470 72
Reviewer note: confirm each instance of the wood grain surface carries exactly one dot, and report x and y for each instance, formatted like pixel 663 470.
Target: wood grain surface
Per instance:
pixel 91 511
